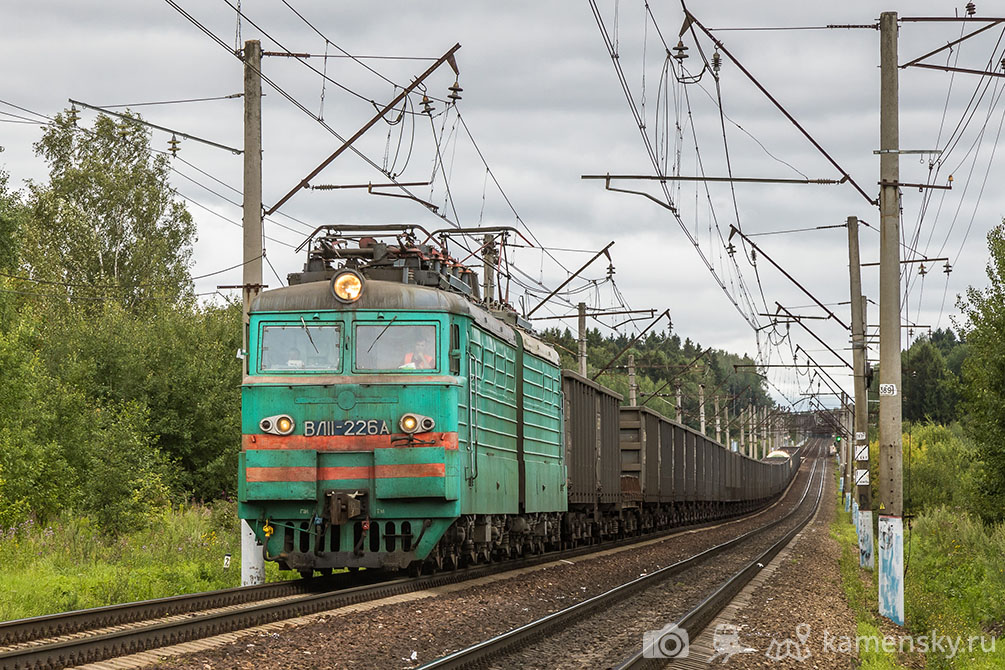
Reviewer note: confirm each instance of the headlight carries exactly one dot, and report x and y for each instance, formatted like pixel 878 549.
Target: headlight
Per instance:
pixel 347 286
pixel 415 423
pixel 281 424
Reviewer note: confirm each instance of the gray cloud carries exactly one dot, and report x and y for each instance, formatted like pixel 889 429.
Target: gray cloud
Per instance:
pixel 545 106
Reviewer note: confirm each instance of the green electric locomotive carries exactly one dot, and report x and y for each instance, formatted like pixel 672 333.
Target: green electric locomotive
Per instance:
pixel 391 418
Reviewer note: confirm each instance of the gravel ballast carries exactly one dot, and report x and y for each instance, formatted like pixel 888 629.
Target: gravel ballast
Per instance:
pixel 407 633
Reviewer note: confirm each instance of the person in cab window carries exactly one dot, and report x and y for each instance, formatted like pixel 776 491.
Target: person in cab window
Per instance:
pixel 420 357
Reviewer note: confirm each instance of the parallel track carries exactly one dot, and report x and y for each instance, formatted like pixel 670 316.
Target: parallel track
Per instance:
pixel 696 619
pixel 98 634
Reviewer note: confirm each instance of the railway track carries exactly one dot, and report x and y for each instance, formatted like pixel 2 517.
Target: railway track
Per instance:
pixel 88 636
pixel 525 637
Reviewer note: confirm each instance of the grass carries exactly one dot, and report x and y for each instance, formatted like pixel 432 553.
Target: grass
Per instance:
pixel 954 586
pixel 70 565
pixel 861 600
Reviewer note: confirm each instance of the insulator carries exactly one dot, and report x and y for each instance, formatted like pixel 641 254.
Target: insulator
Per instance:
pixel 123 130
pixel 922 270
pixel 948 268
pixel 971 9
pixel 731 249
pixel 427 106
pixel 455 91
pixel 173 145
pixel 74 115
pixel 681 51
pixel 716 62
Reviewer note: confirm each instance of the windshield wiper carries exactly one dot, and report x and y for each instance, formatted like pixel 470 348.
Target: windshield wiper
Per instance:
pixel 308 331
pixel 382 332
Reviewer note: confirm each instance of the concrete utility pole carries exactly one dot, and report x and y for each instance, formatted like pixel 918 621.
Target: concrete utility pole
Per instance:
pixel 748 422
pixel 701 407
pixel 725 413
pixel 632 389
pixel 891 525
pixel 764 432
pixel 252 556
pixel 861 432
pixel 847 419
pixel 489 267
pixel 680 408
pixel 743 431
pixel 718 421
pixel 582 339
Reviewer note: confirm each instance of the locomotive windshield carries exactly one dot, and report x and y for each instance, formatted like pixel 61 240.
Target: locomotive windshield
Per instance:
pixel 303 346
pixel 395 347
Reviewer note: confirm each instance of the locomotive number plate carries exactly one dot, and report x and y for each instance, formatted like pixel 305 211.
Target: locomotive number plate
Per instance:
pixel 348 427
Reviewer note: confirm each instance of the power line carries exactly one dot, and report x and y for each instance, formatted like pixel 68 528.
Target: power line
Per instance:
pixel 178 102
pixel 327 127
pixel 50 120
pixel 296 103
pixel 94 298
pixel 120 286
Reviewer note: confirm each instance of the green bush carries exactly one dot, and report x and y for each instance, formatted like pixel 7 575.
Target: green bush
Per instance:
pixel 941 468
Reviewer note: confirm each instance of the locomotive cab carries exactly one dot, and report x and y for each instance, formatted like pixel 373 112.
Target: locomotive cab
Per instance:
pixel 378 411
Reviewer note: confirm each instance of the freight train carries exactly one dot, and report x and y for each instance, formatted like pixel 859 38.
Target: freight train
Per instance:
pixel 394 418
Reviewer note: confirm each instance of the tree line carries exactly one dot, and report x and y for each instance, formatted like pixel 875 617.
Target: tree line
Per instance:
pixel 120 392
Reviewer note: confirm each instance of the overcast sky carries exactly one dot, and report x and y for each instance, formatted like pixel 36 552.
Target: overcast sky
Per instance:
pixel 545 106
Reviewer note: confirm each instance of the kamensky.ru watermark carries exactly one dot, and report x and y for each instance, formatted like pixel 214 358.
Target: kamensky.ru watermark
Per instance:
pixel 727 642
pixel 934 642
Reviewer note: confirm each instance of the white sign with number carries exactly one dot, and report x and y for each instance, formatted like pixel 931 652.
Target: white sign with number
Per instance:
pixel 888 389
pixel 860 436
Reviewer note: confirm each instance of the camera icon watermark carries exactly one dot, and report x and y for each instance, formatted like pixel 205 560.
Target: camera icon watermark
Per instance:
pixel 667 642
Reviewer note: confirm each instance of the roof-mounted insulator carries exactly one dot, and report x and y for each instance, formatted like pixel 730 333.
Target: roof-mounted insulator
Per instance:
pixel 681 51
pixel 455 92
pixel 427 106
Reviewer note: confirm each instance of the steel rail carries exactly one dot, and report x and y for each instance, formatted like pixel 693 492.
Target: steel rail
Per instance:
pixel 155 634
pixel 19 631
pixel 66 623
pixel 527 634
pixel 703 614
